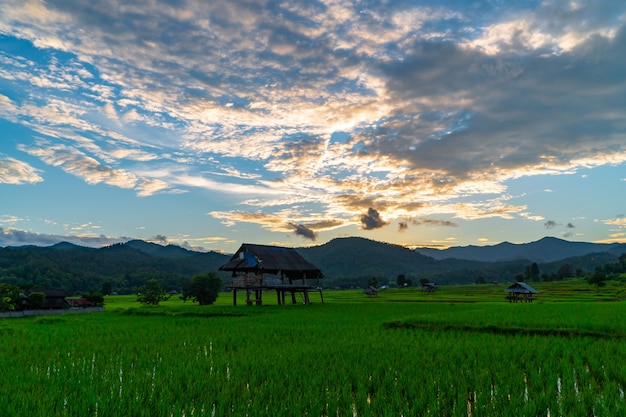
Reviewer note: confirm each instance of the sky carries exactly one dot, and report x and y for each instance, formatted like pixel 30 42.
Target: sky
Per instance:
pixel 207 124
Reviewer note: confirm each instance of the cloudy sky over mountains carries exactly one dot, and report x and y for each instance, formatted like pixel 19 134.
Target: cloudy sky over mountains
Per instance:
pixel 208 124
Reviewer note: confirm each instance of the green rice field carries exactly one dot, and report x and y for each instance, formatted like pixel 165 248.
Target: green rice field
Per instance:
pixel 462 351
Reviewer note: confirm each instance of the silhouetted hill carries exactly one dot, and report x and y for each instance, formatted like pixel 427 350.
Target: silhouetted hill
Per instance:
pixel 355 256
pixel 153 249
pixel 70 246
pixel 548 249
pixel 126 266
pixel 345 262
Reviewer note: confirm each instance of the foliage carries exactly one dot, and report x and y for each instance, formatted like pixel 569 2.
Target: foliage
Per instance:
pixel 372 282
pixel 121 268
pixel 94 298
pixel 598 278
pixel 106 288
pixel 346 263
pixel 9 297
pixel 36 300
pixel 202 289
pixel 152 293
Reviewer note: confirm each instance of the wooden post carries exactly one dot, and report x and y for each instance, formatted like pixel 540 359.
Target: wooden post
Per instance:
pixel 282 295
pixel 293 297
pixel 278 295
pixel 234 296
pixel 259 299
pixel 306 296
pixel 321 295
pixel 248 302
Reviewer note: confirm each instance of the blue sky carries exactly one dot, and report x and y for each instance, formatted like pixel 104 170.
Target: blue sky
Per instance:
pixel 208 124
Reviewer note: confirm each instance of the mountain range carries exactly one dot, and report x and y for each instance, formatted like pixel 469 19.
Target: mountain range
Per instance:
pixel 548 249
pixel 345 262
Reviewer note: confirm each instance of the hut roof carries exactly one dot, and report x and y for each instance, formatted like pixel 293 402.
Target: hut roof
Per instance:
pixel 271 260
pixel 521 287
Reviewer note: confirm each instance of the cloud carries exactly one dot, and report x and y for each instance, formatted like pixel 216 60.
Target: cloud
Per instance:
pixel 372 220
pixel 402 226
pixel 570 226
pixel 550 224
pixel 434 222
pixel 302 230
pixel 13 171
pixel 407 108
pixel 16 237
pixel 159 239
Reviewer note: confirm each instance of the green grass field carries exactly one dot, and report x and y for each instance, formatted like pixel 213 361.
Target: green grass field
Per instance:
pixel 463 351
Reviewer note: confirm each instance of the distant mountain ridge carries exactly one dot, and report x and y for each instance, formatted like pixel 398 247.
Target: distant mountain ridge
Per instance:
pixel 345 262
pixel 548 249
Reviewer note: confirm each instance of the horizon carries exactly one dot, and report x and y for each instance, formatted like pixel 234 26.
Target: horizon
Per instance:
pixel 201 250
pixel 204 125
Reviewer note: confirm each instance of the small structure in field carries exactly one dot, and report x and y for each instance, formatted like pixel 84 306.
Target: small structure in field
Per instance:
pixel 257 268
pixel 54 299
pixel 371 291
pixel 429 287
pixel 522 292
pixel 79 302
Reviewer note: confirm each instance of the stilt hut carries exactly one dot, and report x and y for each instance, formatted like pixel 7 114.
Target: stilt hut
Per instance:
pixel 521 292
pixel 258 268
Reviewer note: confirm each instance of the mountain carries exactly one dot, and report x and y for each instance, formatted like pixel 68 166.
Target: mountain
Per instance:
pixel 355 256
pixel 154 249
pixel 345 262
pixel 548 249
pixel 125 266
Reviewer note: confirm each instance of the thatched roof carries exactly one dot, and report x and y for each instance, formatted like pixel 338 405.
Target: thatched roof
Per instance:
pixel 276 260
pixel 522 288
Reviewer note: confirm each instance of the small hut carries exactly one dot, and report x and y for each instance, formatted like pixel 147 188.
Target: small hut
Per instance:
pixel 522 292
pixel 258 268
pixel 371 291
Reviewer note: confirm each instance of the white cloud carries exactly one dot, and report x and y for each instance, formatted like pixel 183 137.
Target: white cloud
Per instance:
pixel 16 172
pixel 437 105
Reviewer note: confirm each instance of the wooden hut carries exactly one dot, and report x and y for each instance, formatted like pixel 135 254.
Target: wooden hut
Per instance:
pixel 258 268
pixel 55 298
pixel 371 291
pixel 522 292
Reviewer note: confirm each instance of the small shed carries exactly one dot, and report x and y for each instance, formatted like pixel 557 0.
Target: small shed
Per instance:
pixel 522 292
pixel 55 298
pixel 371 291
pixel 256 268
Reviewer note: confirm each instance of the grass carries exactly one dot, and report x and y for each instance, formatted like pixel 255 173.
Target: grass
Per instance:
pixel 458 352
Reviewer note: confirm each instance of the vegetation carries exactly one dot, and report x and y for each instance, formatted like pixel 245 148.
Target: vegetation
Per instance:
pixel 346 263
pixel 202 289
pixel 9 297
pixel 402 353
pixel 36 300
pixel 152 293
pixel 94 298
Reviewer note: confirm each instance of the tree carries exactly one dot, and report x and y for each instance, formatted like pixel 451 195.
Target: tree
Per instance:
pixel 152 293
pixel 202 288
pixel 598 279
pixel 9 297
pixel 94 298
pixel 36 300
pixel 107 288
pixel 531 272
pixel 401 280
pixel 372 282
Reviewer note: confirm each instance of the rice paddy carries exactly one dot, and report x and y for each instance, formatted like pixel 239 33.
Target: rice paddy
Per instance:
pixel 464 351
